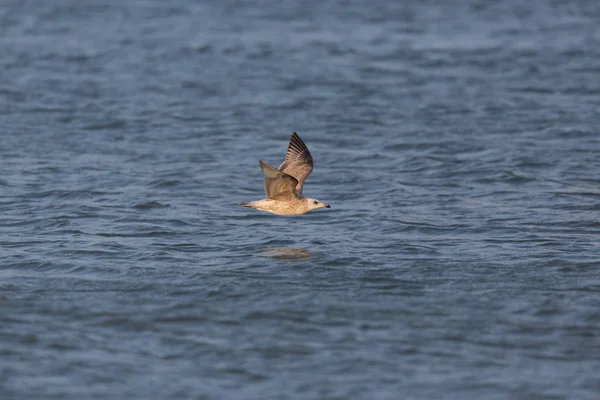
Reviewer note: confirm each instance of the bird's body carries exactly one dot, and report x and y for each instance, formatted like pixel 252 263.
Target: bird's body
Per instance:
pixel 283 186
pixel 297 207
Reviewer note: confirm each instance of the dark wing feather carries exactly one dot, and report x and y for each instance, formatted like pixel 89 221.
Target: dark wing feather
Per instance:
pixel 298 161
pixel 278 185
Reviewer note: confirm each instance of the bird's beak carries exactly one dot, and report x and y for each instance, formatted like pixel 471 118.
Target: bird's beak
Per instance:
pixel 327 206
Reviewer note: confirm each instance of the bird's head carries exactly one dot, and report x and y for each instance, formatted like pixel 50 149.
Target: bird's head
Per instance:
pixel 313 204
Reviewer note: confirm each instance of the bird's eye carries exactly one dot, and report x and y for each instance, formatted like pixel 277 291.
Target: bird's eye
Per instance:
pixel 316 202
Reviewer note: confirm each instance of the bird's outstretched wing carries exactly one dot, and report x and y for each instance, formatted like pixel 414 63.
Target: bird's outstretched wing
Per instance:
pixel 298 162
pixel 278 184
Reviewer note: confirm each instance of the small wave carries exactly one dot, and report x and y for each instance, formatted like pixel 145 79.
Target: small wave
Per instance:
pixel 150 204
pixel 109 125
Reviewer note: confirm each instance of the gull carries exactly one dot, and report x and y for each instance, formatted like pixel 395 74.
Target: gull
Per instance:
pixel 283 186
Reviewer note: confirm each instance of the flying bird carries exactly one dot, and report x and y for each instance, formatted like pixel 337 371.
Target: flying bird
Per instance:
pixel 283 186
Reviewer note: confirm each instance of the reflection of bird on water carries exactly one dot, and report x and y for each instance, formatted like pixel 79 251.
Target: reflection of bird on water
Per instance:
pixel 287 253
pixel 284 186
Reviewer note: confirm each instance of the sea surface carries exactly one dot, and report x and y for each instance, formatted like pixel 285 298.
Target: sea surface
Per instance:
pixel 458 143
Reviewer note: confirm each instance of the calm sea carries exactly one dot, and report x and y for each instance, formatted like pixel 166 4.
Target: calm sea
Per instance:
pixel 457 142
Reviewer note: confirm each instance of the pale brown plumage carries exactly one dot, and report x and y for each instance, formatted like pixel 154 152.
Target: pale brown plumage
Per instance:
pixel 283 186
pixel 298 162
pixel 278 184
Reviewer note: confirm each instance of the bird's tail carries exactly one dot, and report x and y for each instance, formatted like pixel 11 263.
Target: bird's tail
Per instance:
pixel 243 204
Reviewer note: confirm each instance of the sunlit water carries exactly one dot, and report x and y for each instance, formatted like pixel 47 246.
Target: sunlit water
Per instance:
pixel 457 143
